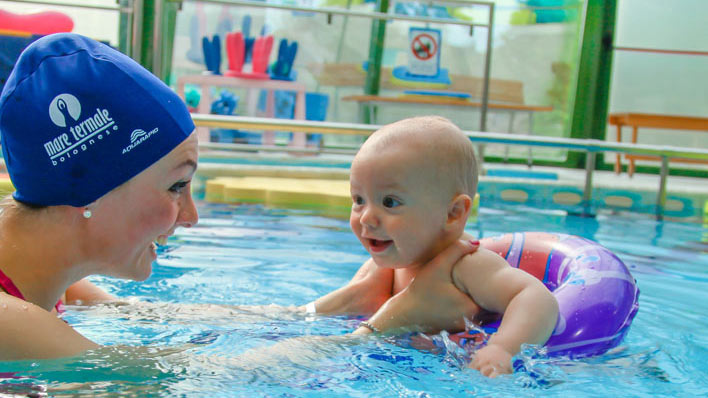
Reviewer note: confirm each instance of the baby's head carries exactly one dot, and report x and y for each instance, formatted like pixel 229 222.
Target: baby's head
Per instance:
pixel 412 185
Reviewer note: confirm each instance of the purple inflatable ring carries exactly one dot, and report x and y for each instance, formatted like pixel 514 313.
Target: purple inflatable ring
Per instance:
pixel 597 296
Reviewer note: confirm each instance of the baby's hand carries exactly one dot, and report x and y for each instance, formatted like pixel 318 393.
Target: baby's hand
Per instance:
pixel 492 360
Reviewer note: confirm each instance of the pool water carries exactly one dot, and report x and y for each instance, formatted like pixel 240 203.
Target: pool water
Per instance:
pixel 253 263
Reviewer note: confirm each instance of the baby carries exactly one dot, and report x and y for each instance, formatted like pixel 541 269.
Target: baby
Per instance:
pixel 412 186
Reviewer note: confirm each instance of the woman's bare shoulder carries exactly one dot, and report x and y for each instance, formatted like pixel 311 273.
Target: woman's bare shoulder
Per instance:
pixel 30 332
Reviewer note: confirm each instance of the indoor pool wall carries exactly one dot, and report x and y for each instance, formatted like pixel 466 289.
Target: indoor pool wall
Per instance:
pixel 542 187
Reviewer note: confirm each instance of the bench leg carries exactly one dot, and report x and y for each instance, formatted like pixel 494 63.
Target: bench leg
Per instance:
pixel 618 156
pixel 510 131
pixel 630 170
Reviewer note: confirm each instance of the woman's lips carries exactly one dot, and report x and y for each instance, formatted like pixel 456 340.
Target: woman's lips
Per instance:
pixel 378 246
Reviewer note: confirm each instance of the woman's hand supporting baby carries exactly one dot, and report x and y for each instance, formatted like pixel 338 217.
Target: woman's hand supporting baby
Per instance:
pixel 363 295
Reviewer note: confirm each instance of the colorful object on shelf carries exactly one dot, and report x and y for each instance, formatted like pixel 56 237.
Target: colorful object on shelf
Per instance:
pixel 435 93
pixel 402 77
pixel 225 104
pixel 282 69
pixel 225 24
pixel 212 54
pixel 235 53
pixel 248 41
pixel 316 105
pixel 261 52
pixel 463 14
pixel 550 11
pixel 192 98
pixel 422 10
pixel 197 25
pixel 39 23
pixel 522 17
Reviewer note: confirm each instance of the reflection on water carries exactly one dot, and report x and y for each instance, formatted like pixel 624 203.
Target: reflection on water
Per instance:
pixel 255 266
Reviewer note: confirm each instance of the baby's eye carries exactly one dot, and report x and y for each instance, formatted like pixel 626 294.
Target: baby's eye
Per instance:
pixel 391 202
pixel 179 186
pixel 358 200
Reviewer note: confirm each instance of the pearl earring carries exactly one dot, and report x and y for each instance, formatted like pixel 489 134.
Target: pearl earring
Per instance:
pixel 87 213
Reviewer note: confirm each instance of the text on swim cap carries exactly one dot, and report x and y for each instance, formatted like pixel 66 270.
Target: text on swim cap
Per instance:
pixel 65 145
pixel 138 137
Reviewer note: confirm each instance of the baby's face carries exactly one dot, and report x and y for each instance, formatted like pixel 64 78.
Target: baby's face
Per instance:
pixel 398 212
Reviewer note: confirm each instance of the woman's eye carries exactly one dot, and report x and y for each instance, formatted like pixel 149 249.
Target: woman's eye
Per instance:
pixel 358 200
pixel 179 186
pixel 391 202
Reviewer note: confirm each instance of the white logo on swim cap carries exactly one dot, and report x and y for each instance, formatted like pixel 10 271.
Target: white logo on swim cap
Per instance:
pixel 64 105
pixel 137 137
pixel 137 133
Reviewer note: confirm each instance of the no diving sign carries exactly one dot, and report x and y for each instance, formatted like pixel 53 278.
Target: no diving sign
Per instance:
pixel 424 52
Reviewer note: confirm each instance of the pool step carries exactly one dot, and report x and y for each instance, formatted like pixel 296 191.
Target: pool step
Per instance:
pixel 331 196
pixel 299 193
pixel 6 186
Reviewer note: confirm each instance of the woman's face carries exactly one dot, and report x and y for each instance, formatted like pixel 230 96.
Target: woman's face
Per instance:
pixel 148 208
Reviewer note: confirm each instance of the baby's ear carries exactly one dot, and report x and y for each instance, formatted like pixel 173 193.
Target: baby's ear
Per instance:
pixel 459 209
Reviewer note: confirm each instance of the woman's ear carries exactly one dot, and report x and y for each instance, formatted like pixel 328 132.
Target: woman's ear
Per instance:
pixel 458 211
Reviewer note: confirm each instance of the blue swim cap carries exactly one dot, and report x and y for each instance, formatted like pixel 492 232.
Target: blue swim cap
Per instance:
pixel 78 118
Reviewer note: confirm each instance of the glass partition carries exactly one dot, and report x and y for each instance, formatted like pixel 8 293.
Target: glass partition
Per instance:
pixel 659 67
pixel 534 52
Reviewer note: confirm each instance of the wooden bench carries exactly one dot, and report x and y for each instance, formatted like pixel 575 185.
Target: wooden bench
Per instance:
pixel 636 120
pixel 505 96
pixel 352 75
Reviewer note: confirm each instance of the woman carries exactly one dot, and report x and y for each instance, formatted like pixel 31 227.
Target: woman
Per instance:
pixel 101 153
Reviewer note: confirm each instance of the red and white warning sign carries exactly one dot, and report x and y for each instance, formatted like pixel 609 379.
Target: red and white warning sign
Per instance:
pixel 424 52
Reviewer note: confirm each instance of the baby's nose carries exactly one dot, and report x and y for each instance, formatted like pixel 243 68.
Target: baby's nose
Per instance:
pixel 369 218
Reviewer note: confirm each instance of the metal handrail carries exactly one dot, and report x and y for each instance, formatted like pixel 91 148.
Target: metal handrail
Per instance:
pixel 340 11
pixel 67 4
pixel 591 147
pixel 245 122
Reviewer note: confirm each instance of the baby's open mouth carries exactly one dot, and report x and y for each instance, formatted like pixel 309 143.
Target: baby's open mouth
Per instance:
pixel 379 245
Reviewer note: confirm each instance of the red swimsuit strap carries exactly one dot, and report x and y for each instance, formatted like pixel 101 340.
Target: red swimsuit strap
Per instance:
pixel 9 286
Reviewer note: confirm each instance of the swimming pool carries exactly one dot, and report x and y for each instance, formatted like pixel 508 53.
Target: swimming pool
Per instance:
pixel 252 256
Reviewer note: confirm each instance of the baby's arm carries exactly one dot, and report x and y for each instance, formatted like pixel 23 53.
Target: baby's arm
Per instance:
pixel 530 310
pixel 84 292
pixel 370 287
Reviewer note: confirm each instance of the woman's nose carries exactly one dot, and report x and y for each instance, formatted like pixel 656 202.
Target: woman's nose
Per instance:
pixel 188 215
